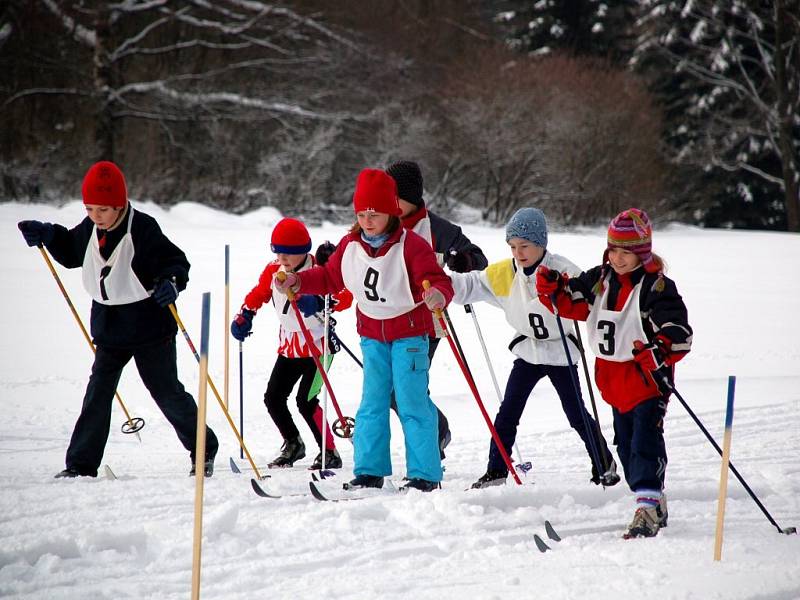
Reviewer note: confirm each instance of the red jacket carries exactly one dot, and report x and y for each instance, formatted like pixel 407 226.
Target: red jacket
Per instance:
pixel 290 344
pixel 421 265
pixel 623 385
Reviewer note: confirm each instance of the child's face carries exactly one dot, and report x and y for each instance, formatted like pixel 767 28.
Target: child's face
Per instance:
pixel 102 216
pixel 372 223
pixel 622 261
pixel 290 261
pixel 524 252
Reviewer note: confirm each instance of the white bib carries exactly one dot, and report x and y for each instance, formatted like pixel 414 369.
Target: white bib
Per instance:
pixel 526 314
pixel 611 333
pixel 286 314
pixel 379 284
pixel 112 282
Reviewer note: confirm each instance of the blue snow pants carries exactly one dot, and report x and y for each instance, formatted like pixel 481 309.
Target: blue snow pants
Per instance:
pixel 402 366
pixel 639 436
pixel 523 378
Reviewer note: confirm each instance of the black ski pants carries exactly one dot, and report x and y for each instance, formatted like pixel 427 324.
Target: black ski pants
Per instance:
pixel 157 366
pixel 523 378
pixel 285 374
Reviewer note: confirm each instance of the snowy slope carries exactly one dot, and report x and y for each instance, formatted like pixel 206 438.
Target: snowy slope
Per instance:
pixel 132 538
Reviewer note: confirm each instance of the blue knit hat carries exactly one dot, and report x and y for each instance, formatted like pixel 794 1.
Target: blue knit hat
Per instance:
pixel 528 224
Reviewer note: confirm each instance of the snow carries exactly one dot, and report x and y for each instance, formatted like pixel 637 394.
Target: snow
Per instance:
pixel 132 538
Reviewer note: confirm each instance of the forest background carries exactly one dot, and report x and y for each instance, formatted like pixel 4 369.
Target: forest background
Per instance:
pixel 689 109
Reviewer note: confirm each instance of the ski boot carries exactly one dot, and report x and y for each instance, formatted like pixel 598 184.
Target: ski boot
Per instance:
pixel 208 468
pixel 648 521
pixel 71 472
pixel 364 481
pixel 489 479
pixel 332 460
pixel 291 452
pixel 423 485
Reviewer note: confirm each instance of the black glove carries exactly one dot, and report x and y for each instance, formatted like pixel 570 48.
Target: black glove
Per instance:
pixel 37 233
pixel 242 324
pixel 165 292
pixel 324 252
pixel 309 304
pixel 458 261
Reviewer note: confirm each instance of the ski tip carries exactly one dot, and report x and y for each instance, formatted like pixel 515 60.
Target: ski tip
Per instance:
pixel 258 489
pixel 551 533
pixel 540 543
pixel 315 492
pixel 234 466
pixel 109 473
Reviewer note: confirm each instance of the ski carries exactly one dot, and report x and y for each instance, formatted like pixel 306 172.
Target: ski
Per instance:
pixel 551 533
pixel 234 467
pixel 540 543
pixel 260 491
pixel 109 473
pixel 352 495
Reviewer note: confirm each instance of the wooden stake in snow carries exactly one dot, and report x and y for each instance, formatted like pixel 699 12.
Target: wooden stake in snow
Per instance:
pixel 200 449
pixel 723 476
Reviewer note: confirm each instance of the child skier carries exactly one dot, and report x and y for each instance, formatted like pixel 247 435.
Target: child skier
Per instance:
pixel 638 329
pixel 384 266
pixel 449 243
pixel 291 244
pixel 133 273
pixel 509 285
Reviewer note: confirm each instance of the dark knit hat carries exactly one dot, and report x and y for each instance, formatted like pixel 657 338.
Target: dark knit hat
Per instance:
pixel 290 236
pixel 104 185
pixel 376 191
pixel 528 224
pixel 409 181
pixel 632 230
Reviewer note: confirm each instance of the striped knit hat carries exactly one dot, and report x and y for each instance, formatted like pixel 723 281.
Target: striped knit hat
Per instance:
pixel 631 230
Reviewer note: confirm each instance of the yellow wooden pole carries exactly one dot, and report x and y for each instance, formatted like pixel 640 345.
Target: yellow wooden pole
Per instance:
pixel 214 390
pixel 723 476
pixel 133 428
pixel 200 451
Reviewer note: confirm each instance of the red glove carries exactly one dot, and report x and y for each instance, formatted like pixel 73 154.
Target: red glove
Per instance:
pixel 647 356
pixel 550 282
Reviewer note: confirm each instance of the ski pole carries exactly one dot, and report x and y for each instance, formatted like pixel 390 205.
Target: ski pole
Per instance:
pixel 344 426
pixel 471 382
pixel 521 465
pixel 177 318
pixel 341 343
pixel 241 397
pixel 324 425
pixel 132 424
pixel 200 450
pixel 573 373
pixel 723 475
pixel 672 389
pixel 591 389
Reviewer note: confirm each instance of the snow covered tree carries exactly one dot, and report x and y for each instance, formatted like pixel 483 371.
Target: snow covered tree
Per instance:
pixel 733 99
pixel 599 28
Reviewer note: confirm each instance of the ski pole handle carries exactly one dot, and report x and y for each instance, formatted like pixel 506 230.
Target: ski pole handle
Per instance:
pixel 426 285
pixel 281 276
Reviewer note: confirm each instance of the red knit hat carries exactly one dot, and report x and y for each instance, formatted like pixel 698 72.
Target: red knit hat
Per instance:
pixel 290 236
pixel 376 191
pixel 631 230
pixel 104 185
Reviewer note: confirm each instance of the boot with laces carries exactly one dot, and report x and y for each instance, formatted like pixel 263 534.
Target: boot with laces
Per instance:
pixel 291 452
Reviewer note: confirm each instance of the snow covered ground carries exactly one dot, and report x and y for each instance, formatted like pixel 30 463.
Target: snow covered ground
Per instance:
pixel 132 538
